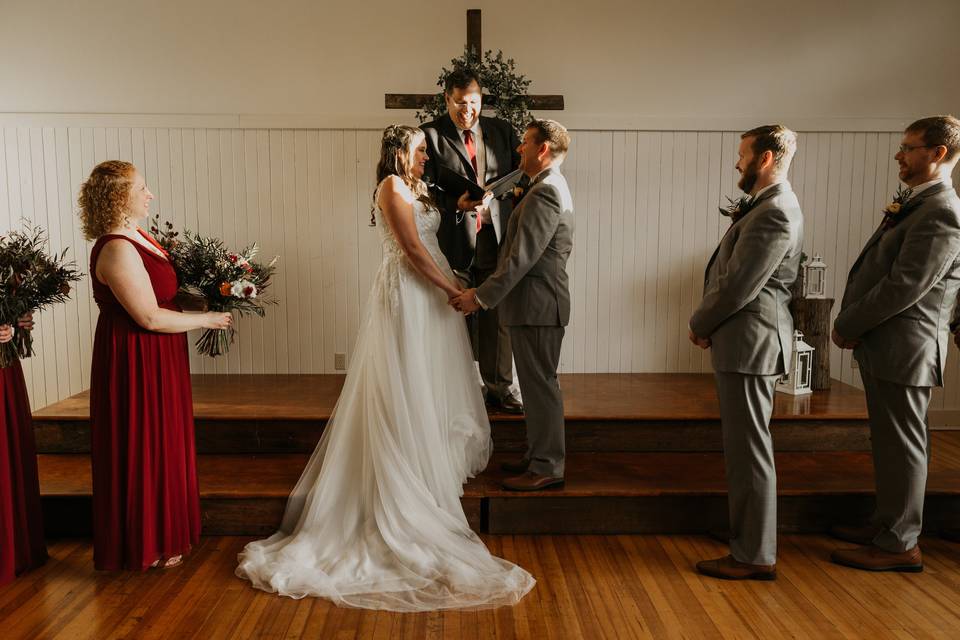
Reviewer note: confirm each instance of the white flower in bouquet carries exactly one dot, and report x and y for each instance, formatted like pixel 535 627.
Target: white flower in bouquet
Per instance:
pixel 243 289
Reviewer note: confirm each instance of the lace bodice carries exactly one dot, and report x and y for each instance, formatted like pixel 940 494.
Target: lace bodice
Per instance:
pixel 395 267
pixel 428 222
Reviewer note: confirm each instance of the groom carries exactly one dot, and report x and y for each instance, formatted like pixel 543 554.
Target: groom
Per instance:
pixel 530 289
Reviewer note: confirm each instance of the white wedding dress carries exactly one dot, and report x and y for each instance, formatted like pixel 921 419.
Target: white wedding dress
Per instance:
pixel 375 520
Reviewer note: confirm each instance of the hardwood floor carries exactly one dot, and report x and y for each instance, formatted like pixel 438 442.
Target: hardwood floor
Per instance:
pixel 588 587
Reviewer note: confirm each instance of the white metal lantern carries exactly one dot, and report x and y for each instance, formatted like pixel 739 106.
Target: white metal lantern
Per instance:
pixel 800 372
pixel 815 278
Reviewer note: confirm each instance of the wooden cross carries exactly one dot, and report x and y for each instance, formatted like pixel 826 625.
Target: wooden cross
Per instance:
pixel 420 100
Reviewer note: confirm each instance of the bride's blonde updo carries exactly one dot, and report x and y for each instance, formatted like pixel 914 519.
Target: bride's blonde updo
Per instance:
pixel 397 160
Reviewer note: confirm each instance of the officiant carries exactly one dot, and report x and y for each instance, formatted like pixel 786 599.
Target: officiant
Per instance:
pixel 480 149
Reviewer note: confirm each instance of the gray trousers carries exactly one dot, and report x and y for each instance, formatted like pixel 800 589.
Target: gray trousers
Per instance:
pixel 492 349
pixel 537 353
pixel 746 404
pixel 490 339
pixel 901 454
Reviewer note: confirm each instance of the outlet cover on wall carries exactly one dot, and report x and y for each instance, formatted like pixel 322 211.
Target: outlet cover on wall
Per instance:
pixel 340 361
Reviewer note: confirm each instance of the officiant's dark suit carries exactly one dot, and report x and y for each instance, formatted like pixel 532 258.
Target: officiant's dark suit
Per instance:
pixel 471 251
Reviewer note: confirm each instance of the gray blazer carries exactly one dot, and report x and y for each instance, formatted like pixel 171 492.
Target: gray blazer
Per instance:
pixel 902 290
pixel 746 288
pixel 530 285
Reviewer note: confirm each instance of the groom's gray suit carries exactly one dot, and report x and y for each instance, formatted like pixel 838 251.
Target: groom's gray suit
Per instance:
pixel 530 289
pixel 745 314
pixel 899 297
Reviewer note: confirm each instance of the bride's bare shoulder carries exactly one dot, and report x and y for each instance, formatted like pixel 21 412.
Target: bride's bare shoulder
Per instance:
pixel 393 188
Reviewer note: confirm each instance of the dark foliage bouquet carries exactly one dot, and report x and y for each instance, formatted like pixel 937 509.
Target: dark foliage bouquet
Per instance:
pixel 226 280
pixel 30 279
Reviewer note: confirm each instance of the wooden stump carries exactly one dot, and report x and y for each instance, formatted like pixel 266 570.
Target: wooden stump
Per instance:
pixel 812 317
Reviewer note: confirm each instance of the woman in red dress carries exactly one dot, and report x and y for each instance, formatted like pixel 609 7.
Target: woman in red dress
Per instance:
pixel 146 505
pixel 21 522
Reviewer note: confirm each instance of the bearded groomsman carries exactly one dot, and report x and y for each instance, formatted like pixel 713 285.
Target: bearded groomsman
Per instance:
pixel 745 320
pixel 895 315
pixel 479 149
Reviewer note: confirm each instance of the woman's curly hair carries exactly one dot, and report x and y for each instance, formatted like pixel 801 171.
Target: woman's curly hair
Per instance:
pixel 103 197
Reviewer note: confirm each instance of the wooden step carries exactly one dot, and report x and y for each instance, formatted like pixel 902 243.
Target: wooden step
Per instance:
pixel 604 413
pixel 661 492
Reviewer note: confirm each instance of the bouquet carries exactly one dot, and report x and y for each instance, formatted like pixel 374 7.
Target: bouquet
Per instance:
pixel 30 279
pixel 226 280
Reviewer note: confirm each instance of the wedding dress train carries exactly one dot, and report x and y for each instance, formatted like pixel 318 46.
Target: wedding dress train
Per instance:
pixel 375 520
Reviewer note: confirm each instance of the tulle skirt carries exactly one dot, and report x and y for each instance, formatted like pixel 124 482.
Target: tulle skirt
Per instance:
pixel 375 520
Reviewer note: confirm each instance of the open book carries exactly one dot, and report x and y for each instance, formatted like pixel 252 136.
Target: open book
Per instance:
pixel 455 184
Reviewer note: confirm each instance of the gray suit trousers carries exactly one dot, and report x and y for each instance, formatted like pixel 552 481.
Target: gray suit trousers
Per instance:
pixel 746 404
pixel 901 453
pixel 491 347
pixel 536 351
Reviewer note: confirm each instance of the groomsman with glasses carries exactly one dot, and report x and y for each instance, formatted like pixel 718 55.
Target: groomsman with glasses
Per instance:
pixel 896 316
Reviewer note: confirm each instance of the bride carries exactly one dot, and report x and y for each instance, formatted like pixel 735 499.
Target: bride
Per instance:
pixel 375 520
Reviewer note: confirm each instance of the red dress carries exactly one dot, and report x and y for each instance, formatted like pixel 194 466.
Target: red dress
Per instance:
pixel 146 505
pixel 21 521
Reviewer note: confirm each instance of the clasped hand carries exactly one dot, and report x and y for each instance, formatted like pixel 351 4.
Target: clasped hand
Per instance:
pixel 703 343
pixel 465 302
pixel 25 322
pixel 842 342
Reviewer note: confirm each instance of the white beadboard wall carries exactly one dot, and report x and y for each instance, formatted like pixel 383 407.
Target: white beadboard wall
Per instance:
pixel 646 205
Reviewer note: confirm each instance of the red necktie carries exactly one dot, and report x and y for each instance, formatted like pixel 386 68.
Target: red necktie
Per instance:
pixel 472 154
pixel 471 150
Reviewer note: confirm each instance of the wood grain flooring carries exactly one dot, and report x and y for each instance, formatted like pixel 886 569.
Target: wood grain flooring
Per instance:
pixel 588 587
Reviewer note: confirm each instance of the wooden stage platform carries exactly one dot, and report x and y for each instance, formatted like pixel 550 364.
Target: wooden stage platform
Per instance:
pixel 644 456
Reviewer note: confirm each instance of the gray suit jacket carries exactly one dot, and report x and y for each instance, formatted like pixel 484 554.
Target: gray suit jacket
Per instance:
pixel 530 285
pixel 902 290
pixel 746 289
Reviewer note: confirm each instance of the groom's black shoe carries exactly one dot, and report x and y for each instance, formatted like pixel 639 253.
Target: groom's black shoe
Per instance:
pixel 516 466
pixel 532 481
pixel 511 405
pixel 508 404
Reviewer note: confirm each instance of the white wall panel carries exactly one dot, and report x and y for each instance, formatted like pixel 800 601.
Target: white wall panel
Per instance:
pixel 647 221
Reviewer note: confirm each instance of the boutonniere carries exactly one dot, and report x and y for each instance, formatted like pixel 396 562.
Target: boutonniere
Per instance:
pixel 736 209
pixel 518 192
pixel 891 212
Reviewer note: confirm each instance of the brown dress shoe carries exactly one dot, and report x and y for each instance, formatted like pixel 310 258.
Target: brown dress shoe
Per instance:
pixel 516 466
pixel 863 534
pixel 727 568
pixel 531 481
pixel 873 558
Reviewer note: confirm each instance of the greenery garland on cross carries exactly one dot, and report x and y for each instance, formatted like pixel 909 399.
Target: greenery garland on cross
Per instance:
pixel 499 77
